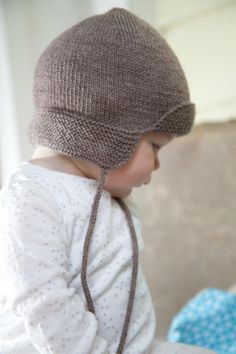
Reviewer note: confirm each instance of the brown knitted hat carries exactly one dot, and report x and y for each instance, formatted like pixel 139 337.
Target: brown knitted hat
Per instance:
pixel 99 86
pixel 104 82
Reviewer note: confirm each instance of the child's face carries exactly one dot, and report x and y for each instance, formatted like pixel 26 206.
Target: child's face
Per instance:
pixel 137 171
pixel 134 172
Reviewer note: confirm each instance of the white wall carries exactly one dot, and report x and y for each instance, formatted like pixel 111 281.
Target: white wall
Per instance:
pixel 9 139
pixel 203 34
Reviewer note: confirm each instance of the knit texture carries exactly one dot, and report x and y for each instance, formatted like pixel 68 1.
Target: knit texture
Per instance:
pixel 104 82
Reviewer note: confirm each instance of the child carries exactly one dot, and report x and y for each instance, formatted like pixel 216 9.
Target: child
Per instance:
pixel 108 93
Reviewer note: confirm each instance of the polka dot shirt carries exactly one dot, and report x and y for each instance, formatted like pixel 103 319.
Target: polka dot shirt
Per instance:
pixel 44 216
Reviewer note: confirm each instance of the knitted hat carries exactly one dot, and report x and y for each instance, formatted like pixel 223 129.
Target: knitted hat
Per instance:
pixel 98 87
pixel 104 82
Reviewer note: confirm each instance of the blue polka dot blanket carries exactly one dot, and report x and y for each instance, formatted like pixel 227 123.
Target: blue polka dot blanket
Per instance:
pixel 208 320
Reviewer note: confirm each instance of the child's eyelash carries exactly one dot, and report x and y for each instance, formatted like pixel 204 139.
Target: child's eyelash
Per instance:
pixel 156 146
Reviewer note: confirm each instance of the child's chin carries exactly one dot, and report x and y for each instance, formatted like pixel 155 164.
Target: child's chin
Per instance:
pixel 122 193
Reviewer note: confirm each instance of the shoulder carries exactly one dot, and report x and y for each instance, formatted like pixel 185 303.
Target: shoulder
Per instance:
pixel 23 188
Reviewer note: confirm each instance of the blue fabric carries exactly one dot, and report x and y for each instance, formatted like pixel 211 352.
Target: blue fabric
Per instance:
pixel 208 320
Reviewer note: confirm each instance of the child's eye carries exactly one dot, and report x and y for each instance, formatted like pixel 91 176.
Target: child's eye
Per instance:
pixel 156 146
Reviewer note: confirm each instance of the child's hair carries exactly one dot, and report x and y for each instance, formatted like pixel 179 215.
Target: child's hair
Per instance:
pixel 98 87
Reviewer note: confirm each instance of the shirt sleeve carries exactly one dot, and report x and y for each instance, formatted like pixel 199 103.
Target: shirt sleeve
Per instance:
pixel 35 257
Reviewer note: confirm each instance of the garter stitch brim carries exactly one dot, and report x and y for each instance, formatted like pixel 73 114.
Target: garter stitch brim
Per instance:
pixel 104 82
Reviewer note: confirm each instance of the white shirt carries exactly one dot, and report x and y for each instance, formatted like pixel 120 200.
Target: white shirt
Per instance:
pixel 44 216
